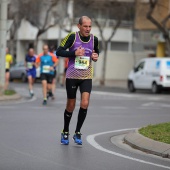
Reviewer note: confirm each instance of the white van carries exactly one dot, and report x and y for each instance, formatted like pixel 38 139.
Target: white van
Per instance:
pixel 150 73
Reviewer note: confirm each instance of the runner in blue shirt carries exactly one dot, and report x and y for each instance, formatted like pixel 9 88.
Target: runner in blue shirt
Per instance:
pixel 31 69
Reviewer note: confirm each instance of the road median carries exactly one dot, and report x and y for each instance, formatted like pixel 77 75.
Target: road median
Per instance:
pixel 140 142
pixel 9 95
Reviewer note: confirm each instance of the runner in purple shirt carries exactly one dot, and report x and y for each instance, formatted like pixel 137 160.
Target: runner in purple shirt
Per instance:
pixel 83 49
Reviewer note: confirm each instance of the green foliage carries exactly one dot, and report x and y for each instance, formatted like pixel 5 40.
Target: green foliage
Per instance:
pixel 9 92
pixel 159 132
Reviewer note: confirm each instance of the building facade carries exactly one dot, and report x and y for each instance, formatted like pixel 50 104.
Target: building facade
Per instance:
pixel 124 50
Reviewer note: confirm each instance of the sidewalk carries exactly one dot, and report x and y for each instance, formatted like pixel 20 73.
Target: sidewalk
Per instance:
pixel 138 141
pixel 112 83
pixel 10 97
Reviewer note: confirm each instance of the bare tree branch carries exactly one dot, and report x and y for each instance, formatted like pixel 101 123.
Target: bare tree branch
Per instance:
pixel 47 15
pixel 161 27
pixel 165 20
pixel 149 16
pixel 114 30
pixel 100 29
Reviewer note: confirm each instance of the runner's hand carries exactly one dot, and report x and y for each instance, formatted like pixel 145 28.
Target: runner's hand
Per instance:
pixel 80 51
pixel 94 56
pixel 51 69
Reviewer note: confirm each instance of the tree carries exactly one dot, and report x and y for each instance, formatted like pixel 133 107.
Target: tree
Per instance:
pixel 116 11
pixel 41 13
pixel 162 26
pixel 154 15
pixel 16 18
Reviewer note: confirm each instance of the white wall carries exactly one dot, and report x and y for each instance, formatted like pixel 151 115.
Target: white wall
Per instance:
pixel 21 51
pixel 118 65
pixel 26 31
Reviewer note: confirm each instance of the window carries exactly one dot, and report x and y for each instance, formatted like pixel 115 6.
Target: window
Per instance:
pixel 144 1
pixel 119 46
pixel 140 66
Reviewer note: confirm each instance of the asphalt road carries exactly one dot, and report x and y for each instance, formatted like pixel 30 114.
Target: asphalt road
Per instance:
pixel 30 132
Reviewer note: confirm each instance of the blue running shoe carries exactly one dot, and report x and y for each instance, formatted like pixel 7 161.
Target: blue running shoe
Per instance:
pixel 64 138
pixel 44 102
pixel 77 138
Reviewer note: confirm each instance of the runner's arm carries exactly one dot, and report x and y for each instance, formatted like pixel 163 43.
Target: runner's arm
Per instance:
pixel 55 60
pixel 37 63
pixel 96 45
pixel 95 54
pixel 65 44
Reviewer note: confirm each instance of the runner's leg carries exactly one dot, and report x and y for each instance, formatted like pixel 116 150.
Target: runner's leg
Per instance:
pixel 44 89
pixel 30 84
pixel 85 97
pixel 49 85
pixel 7 76
pixel 68 113
pixel 71 88
pixel 85 89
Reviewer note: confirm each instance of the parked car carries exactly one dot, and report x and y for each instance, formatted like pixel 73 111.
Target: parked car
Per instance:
pixel 150 73
pixel 18 71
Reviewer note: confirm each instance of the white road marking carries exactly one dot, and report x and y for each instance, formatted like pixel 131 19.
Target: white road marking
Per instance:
pixel 155 105
pixel 149 108
pixel 148 104
pixel 113 107
pixel 91 141
pixel 131 96
pixel 114 94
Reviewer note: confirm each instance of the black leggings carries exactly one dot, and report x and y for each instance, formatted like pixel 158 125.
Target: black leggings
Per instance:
pixel 72 85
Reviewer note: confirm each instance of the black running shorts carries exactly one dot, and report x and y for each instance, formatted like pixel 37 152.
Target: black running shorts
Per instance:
pixel 73 84
pixel 6 70
pixel 55 74
pixel 47 77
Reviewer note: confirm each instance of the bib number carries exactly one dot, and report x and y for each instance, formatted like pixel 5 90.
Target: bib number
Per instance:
pixel 82 62
pixel 46 69
pixel 29 65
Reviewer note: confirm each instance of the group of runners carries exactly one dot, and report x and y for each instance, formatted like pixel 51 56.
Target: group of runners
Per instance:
pixel 81 48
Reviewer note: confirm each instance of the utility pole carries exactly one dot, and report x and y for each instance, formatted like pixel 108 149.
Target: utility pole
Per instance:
pixel 3 32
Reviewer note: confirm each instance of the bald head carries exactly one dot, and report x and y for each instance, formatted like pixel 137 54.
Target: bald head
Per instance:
pixel 83 18
pixel 84 26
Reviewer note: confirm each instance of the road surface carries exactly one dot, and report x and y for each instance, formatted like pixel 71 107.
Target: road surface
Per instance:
pixel 30 132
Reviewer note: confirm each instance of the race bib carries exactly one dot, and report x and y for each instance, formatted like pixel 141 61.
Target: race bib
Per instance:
pixel 82 62
pixel 7 65
pixel 46 69
pixel 29 65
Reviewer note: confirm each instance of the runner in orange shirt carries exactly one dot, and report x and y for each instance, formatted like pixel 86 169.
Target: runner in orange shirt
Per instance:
pixel 47 62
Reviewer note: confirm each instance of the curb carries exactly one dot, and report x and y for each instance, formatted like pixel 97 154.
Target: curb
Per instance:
pixel 140 142
pixel 10 97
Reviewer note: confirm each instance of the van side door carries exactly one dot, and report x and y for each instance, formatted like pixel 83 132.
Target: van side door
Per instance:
pixel 139 76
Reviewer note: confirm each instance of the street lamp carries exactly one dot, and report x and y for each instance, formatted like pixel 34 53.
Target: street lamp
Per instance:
pixel 3 32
